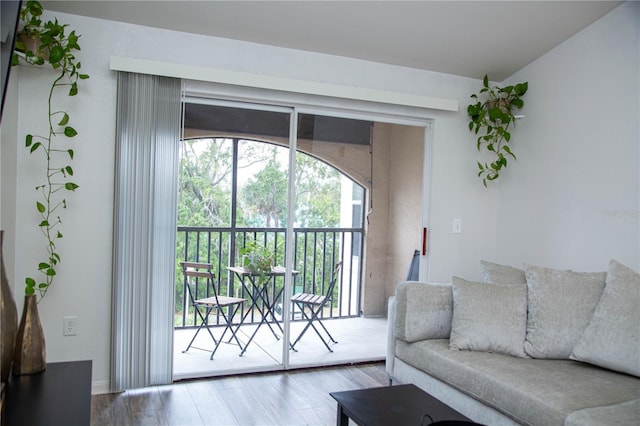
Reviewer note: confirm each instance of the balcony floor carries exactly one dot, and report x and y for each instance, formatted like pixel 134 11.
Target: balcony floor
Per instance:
pixel 359 340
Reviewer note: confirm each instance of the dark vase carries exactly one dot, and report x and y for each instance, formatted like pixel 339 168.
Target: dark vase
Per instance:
pixel 29 356
pixel 8 319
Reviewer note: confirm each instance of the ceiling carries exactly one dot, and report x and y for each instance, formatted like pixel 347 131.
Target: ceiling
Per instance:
pixel 467 38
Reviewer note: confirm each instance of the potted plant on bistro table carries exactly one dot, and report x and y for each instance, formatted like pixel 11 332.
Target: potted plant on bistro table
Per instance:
pixel 257 258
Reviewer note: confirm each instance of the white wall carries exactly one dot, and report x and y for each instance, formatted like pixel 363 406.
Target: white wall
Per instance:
pixel 572 198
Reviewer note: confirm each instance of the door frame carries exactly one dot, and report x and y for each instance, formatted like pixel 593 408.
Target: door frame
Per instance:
pixel 319 105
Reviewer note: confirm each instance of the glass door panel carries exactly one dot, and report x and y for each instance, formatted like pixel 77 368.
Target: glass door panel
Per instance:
pixel 328 229
pixel 233 196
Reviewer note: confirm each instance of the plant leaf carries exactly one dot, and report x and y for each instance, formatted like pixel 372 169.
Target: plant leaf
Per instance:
pixel 40 207
pixel 70 131
pixel 70 186
pixel 74 89
pixel 521 88
pixel 35 146
pixel 65 119
pixel 508 151
pixel 56 53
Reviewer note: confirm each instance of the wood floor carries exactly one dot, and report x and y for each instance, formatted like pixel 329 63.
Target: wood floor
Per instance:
pixel 295 397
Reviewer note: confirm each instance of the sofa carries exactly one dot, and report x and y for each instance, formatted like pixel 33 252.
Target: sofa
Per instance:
pixel 530 346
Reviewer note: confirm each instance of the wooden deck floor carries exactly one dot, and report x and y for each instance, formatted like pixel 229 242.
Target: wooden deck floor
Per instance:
pixel 295 397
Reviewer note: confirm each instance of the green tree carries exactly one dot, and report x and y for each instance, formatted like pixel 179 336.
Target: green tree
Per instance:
pixel 264 197
pixel 205 182
pixel 317 193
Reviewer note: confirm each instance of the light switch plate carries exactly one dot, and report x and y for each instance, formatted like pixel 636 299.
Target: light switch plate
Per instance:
pixel 457 226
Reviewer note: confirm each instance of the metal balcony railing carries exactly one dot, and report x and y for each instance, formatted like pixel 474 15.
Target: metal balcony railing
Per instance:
pixel 316 251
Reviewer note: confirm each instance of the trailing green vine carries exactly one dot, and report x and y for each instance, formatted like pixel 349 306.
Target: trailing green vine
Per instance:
pixel 47 43
pixel 494 115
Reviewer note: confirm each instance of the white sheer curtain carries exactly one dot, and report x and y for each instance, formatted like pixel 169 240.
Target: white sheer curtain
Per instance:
pixel 148 129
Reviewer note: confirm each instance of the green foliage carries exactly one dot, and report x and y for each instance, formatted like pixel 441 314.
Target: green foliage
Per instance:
pixel 491 118
pixel 317 193
pixel 43 43
pixel 205 182
pixel 257 258
pixel 265 195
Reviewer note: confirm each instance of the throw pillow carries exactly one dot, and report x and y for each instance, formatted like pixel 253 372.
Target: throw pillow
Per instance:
pixel 488 317
pixel 423 311
pixel 495 273
pixel 612 338
pixel 560 304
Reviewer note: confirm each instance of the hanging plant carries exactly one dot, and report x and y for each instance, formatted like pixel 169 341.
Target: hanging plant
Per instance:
pixel 47 43
pixel 491 116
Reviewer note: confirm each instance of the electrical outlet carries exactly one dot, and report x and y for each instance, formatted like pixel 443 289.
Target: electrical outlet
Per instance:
pixel 70 326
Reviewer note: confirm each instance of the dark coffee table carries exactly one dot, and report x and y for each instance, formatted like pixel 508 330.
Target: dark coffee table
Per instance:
pixel 392 405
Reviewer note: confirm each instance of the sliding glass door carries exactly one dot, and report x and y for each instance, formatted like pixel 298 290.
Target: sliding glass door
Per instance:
pixel 289 184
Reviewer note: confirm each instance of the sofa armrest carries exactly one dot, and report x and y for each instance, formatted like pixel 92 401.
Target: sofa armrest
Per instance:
pixel 423 311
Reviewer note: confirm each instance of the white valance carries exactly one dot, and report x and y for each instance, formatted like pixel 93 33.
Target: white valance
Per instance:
pixel 261 81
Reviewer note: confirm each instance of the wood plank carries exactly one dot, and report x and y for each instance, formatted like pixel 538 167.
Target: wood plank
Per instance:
pixel 179 406
pixel 208 402
pixel 110 409
pixel 291 397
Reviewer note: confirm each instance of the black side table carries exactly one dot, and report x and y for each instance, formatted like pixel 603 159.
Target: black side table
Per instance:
pixel 393 405
pixel 61 395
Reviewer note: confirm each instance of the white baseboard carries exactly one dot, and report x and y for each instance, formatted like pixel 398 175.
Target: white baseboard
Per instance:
pixel 99 387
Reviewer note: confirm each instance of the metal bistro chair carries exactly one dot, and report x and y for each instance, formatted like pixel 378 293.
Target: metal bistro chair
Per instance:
pixel 194 270
pixel 315 303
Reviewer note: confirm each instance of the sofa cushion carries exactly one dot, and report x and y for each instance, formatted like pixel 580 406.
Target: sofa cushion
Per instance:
pixel 560 305
pixel 531 391
pixel 495 273
pixel 623 414
pixel 612 338
pixel 489 317
pixel 423 311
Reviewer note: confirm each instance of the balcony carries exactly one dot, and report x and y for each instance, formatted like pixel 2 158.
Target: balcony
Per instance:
pixel 316 251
